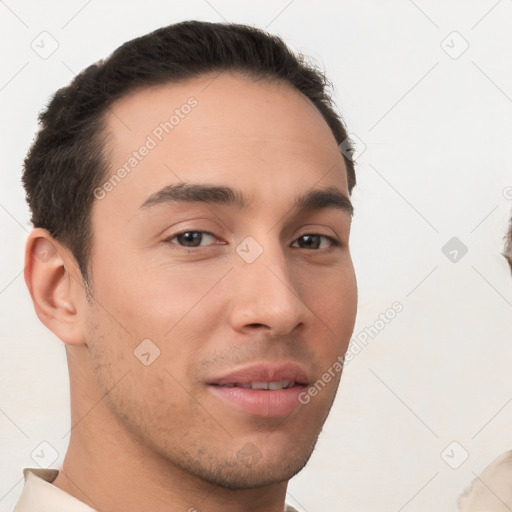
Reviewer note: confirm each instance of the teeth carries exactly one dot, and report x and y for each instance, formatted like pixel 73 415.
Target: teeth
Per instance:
pixel 259 385
pixel 272 386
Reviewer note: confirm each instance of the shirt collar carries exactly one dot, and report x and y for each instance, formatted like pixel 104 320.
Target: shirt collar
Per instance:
pixel 39 494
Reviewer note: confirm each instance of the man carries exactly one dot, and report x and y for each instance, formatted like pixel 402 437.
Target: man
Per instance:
pixel 491 491
pixel 192 218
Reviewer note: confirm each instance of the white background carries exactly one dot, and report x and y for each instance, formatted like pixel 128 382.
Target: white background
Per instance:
pixel 437 163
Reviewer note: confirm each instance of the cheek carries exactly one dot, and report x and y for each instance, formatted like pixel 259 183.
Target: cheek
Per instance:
pixel 184 299
pixel 344 306
pixel 331 294
pixel 149 300
pixel 172 305
pixel 144 380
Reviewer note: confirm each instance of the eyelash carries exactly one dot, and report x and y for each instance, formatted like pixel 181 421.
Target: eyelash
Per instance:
pixel 169 240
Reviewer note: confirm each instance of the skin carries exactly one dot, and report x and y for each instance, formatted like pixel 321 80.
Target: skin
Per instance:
pixel 154 437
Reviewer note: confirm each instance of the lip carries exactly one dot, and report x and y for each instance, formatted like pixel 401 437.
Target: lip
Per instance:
pixel 256 402
pixel 263 372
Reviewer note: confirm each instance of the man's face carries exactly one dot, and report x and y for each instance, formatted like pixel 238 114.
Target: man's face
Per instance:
pixel 229 295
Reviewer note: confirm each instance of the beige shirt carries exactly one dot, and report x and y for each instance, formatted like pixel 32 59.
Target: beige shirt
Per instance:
pixel 39 495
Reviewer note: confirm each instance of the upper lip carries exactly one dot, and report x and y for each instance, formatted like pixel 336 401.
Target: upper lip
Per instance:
pixel 263 372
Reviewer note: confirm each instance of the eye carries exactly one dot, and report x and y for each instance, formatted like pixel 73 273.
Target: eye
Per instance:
pixel 312 241
pixel 191 238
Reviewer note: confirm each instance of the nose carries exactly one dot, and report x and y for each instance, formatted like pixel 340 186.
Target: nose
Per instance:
pixel 266 296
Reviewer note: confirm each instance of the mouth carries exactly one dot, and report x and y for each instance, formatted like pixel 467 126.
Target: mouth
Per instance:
pixel 262 390
pixel 270 386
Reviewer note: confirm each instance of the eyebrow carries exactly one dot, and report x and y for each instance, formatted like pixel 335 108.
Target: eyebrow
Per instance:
pixel 315 199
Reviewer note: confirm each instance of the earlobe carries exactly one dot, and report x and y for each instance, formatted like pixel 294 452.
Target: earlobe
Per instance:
pixel 53 286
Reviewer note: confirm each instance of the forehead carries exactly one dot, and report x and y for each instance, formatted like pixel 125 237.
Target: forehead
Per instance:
pixel 219 128
pixel 224 100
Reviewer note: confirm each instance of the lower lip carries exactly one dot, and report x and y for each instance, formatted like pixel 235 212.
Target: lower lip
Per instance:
pixel 261 403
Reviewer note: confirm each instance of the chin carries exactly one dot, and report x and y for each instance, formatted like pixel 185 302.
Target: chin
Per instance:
pixel 263 474
pixel 249 468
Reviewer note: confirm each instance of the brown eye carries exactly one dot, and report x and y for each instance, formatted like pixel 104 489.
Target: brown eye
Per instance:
pixel 312 241
pixel 191 238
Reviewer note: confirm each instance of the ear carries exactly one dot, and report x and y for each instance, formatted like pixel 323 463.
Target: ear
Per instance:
pixel 56 286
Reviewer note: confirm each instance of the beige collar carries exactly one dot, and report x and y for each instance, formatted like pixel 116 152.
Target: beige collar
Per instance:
pixel 39 494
